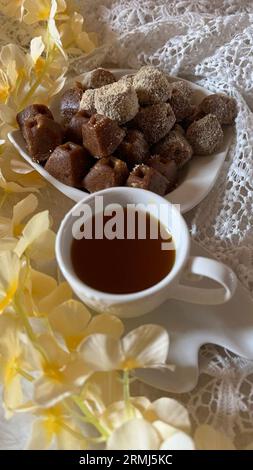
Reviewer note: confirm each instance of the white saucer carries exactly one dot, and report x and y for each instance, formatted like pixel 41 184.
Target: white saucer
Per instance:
pixel 190 326
pixel 197 181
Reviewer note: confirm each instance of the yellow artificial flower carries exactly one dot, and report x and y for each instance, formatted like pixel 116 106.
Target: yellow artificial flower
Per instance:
pixel 13 227
pixel 10 187
pixel 42 293
pixel 146 346
pixel 9 278
pixel 17 358
pixel 4 87
pixel 73 37
pixel 61 373
pixel 37 240
pixel 73 322
pixel 41 10
pixel 54 427
pixel 13 8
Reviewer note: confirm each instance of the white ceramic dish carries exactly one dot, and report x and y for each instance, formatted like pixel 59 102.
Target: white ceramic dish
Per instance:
pixel 197 181
pixel 190 326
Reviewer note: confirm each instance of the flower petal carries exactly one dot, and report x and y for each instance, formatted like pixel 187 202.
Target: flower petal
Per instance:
pixel 62 293
pixel 147 346
pixel 169 411
pixel 40 438
pixel 70 319
pixel 179 441
pixel 107 325
pixel 38 224
pixel 136 434
pixel 101 352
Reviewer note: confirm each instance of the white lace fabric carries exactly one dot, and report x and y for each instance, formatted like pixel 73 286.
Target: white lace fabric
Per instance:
pixel 211 43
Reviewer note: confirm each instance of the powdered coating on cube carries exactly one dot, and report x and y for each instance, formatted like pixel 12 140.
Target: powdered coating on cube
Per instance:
pixel 155 121
pixel 32 111
pixel 205 135
pixel 42 136
pixel 127 79
pixel 151 86
pixel 180 100
pixel 166 167
pixel 134 148
pixel 102 136
pixel 69 163
pixel 222 106
pixel 117 101
pixel 145 177
pixel 87 102
pixel 74 129
pixel 106 173
pixel 97 78
pixel 70 102
pixel 174 147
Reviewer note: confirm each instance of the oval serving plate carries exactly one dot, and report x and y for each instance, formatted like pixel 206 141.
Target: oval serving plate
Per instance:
pixel 196 182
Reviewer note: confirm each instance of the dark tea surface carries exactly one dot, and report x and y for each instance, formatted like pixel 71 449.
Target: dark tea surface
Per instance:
pixel 123 266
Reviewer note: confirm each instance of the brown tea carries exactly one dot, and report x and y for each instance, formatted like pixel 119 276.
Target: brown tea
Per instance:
pixel 124 265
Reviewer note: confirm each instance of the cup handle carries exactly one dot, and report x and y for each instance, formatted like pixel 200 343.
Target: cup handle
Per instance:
pixel 214 270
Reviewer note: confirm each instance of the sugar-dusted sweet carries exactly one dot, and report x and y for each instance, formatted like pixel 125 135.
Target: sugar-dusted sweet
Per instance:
pixel 102 136
pixel 106 173
pixel 145 177
pixel 70 102
pixel 134 149
pixel 69 163
pixel 97 78
pixel 32 111
pixel 42 135
pixel 222 106
pixel 155 121
pixel 205 135
pixel 117 101
pixel 174 147
pixel 166 167
pixel 87 102
pixel 74 128
pixel 180 99
pixel 151 86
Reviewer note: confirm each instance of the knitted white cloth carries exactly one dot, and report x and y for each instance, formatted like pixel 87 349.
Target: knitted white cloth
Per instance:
pixel 211 43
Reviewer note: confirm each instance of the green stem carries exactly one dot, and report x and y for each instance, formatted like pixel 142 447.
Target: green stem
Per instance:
pixel 3 199
pixel 126 393
pixel 24 374
pixel 90 417
pixel 25 320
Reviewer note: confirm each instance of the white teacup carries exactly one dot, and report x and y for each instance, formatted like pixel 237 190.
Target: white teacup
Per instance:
pixel 139 303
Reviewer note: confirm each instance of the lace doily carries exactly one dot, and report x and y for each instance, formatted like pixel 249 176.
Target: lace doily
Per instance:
pixel 211 43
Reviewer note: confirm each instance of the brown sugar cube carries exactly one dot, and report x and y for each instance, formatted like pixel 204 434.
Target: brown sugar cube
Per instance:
pixel 87 103
pixel 134 148
pixel 118 101
pixel 155 121
pixel 74 129
pixel 151 85
pixel 180 100
pixel 106 173
pixel 166 167
pixel 195 115
pixel 222 106
pixel 32 111
pixel 101 136
pixel 145 177
pixel 69 163
pixel 70 102
pixel 174 147
pixel 42 136
pixel 97 78
pixel 205 135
